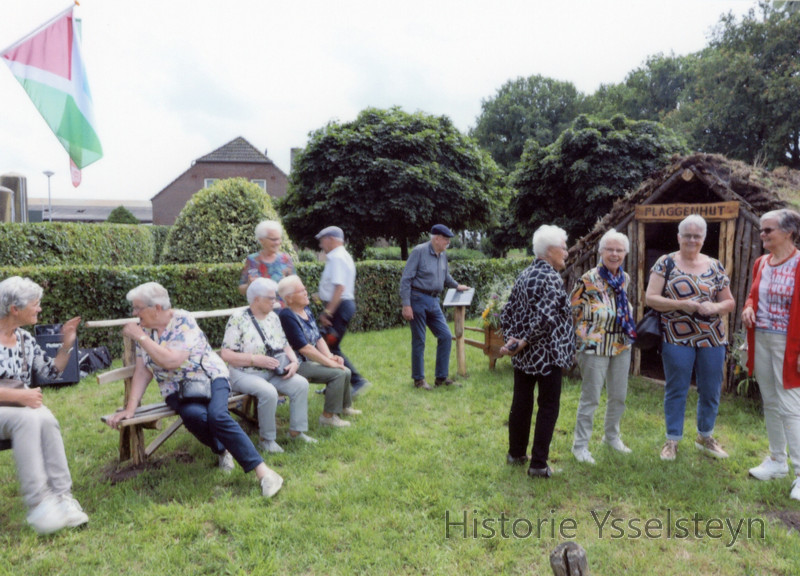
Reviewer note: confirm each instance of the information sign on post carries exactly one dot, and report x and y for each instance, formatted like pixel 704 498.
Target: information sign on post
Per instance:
pixel 459 301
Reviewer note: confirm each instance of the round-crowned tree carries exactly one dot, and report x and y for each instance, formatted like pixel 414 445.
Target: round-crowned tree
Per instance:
pixel 217 224
pixel 121 215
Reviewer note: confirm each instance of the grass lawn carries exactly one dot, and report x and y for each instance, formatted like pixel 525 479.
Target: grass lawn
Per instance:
pixel 418 485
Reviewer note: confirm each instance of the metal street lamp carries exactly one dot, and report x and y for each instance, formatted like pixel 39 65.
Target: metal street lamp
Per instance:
pixel 49 173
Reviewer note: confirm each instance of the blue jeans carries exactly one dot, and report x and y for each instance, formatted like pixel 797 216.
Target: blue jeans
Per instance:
pixel 428 312
pixel 707 363
pixel 341 319
pixel 214 426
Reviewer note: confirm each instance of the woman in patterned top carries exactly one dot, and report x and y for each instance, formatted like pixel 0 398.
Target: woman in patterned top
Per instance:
pixel 772 318
pixel 250 352
pixel 605 328
pixel 537 324
pixel 698 294
pixel 171 347
pixel 268 263
pixel 34 432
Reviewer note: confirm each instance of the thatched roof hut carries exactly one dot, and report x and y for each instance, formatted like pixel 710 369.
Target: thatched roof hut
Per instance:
pixel 729 194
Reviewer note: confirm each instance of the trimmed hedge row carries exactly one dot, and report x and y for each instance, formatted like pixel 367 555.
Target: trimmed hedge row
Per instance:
pixel 98 292
pixel 72 243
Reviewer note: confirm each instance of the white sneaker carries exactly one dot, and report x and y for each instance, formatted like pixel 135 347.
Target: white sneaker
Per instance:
pixel 583 455
pixel 770 469
pixel 270 446
pixel 73 512
pixel 334 421
pixel 617 445
pixel 350 411
pixel 795 494
pixel 226 462
pixel 305 438
pixel 47 516
pixel 271 483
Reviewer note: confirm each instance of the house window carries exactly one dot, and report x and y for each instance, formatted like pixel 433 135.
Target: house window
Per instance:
pixel 208 182
pixel 261 183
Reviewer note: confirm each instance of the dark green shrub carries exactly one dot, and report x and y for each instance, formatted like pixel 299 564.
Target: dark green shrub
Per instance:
pixel 217 224
pixel 121 215
pixel 306 255
pixel 63 243
pixel 382 253
pixel 159 234
pixel 98 292
pixel 464 254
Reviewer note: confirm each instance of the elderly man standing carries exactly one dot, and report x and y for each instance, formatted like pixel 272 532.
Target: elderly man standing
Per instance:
pixel 337 291
pixel 424 278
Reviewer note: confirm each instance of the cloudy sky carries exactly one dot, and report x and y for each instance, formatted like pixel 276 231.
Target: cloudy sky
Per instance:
pixel 175 79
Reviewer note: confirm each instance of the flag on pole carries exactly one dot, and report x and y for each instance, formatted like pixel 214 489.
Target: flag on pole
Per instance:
pixel 49 65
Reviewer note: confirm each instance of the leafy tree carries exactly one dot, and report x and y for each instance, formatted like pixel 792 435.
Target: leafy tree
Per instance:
pixel 218 223
pixel 746 94
pixel 575 180
pixel 121 215
pixel 389 174
pixel 650 92
pixel 535 107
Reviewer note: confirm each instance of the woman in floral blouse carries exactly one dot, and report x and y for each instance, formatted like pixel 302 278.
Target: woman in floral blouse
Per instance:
pixel 605 328
pixel 697 296
pixel 269 262
pixel 171 347
pixel 253 363
pixel 537 325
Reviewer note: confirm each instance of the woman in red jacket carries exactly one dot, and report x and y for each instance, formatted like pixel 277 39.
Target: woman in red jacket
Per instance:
pixel 772 318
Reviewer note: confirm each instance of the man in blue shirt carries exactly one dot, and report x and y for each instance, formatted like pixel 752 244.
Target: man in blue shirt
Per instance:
pixel 424 278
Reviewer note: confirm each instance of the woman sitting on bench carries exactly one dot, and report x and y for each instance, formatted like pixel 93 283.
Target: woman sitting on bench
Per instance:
pixel 171 347
pixel 42 468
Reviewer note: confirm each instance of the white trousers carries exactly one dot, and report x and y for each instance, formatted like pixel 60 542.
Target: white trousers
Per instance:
pixel 38 452
pixel 595 371
pixel 781 406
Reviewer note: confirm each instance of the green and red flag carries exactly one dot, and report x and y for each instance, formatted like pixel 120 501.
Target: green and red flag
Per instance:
pixel 49 65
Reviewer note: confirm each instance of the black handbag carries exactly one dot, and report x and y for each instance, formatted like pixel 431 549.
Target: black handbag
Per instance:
pixel 279 355
pixel 648 329
pixel 198 389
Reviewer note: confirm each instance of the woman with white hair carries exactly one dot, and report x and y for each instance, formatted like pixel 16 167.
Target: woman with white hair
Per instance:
pixel 171 347
pixel 252 347
pixel 269 262
pixel 317 363
pixel 772 318
pixel 34 432
pixel 696 295
pixel 537 325
pixel 604 328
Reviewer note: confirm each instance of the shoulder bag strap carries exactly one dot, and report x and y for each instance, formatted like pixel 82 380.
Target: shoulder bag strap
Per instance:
pixel 668 271
pixel 260 331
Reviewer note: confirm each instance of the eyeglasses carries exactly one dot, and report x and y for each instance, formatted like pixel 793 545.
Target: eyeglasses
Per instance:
pixel 137 309
pixel 768 230
pixel 268 297
pixel 692 236
pixel 278 239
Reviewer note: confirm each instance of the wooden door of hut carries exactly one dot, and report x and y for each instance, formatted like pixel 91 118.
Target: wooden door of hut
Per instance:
pixel 653 232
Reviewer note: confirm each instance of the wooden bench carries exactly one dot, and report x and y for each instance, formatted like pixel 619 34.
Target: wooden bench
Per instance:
pixel 151 416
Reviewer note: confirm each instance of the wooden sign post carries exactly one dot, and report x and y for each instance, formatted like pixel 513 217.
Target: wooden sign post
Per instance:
pixel 460 301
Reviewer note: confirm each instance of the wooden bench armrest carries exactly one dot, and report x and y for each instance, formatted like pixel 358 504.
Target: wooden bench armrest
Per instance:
pixel 116 374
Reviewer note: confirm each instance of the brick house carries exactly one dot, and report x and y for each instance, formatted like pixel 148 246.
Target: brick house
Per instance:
pixel 236 159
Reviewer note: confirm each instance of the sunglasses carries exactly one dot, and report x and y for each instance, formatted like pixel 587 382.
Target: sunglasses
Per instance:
pixel 768 230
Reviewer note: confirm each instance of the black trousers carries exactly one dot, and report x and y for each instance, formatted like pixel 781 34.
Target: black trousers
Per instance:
pixel 519 418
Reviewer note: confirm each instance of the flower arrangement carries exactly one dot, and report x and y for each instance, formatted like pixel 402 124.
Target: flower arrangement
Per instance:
pixel 497 297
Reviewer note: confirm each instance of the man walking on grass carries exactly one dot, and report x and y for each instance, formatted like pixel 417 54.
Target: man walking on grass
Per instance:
pixel 424 278
pixel 337 292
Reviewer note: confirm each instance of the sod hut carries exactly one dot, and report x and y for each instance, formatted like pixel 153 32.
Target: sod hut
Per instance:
pixel 729 194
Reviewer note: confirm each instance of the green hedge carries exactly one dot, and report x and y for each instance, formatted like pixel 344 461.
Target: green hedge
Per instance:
pixel 69 243
pixel 98 292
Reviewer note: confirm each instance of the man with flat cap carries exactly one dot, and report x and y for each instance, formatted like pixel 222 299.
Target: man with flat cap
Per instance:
pixel 424 278
pixel 337 291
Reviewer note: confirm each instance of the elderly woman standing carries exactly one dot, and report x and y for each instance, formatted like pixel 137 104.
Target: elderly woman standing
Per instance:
pixel 34 432
pixel 269 262
pixel 252 339
pixel 772 318
pixel 317 363
pixel 537 324
pixel 605 328
pixel 171 347
pixel 697 296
